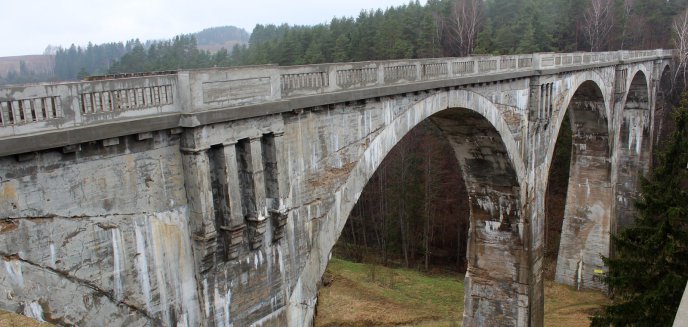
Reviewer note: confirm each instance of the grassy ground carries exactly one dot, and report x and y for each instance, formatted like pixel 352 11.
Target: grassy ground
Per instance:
pixel 564 306
pixel 10 319
pixel 371 295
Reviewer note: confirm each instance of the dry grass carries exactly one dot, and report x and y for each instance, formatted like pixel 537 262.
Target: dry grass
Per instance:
pixel 11 319
pixel 564 306
pixel 369 295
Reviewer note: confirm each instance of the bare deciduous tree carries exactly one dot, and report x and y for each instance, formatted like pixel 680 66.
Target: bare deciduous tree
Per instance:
pixel 681 44
pixel 466 18
pixel 598 23
pixel 627 8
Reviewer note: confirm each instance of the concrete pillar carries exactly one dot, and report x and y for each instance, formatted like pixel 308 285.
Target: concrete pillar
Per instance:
pixel 257 219
pixel 236 216
pixel 589 201
pixel 532 198
pixel 232 222
pixel 534 105
pixel 278 209
pixel 496 285
pixel 199 195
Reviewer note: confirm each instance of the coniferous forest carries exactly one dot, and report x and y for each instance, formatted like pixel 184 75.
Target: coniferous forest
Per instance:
pixel 436 29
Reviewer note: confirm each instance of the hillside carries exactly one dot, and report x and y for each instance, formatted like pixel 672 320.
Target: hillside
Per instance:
pixel 215 38
pixel 68 63
pixel 38 64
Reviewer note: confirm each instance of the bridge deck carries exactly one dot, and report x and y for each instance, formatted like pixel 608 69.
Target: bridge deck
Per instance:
pixel 43 116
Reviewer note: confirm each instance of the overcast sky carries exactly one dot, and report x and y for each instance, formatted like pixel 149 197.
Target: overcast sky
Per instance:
pixel 28 26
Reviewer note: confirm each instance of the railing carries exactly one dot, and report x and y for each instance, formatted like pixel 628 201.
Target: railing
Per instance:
pixel 13 112
pixel 39 108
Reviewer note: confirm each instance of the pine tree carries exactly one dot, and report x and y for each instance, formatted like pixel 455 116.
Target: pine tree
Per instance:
pixel 648 273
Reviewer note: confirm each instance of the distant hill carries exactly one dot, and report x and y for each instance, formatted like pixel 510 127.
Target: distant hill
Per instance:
pixel 215 38
pixel 70 62
pixel 37 64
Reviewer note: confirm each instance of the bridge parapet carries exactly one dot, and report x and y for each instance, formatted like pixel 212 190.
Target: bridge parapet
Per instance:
pixel 45 107
pixel 172 99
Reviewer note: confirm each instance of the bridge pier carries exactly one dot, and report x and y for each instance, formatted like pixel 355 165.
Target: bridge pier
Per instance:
pixel 589 201
pixel 497 277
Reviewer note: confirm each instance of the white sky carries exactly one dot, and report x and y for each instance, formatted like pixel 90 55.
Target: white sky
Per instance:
pixel 28 26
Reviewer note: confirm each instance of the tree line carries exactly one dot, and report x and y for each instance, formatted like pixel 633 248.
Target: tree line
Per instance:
pixel 452 28
pixel 434 29
pixel 449 28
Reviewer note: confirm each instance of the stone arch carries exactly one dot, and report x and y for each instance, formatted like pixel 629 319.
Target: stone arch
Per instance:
pixel 586 224
pixel 633 147
pixel 497 210
pixel 560 114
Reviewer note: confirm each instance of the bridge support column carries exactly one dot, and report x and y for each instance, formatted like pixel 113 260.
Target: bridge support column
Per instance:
pixel 496 285
pixel 539 127
pixel 589 199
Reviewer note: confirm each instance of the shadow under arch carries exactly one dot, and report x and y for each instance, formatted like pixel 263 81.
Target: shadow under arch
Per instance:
pixel 662 106
pixel 634 147
pixel 586 224
pixel 497 281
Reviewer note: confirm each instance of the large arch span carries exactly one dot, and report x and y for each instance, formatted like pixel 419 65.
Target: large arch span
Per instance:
pixel 498 273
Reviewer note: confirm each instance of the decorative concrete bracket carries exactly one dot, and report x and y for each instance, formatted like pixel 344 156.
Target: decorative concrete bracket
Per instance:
pixel 234 238
pixel 256 229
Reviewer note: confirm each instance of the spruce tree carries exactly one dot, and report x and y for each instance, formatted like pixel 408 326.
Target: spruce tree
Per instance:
pixel 648 273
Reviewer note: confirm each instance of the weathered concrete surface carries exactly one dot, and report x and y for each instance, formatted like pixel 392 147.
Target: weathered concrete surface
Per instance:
pixel 100 236
pixel 230 220
pixel 497 276
pixel 634 151
pixel 587 216
pixel 682 314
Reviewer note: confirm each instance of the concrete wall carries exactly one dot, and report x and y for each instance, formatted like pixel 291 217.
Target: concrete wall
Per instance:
pixel 98 236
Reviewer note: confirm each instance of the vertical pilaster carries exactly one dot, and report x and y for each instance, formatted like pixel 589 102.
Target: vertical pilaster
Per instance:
pixel 257 218
pixel 534 102
pixel 278 179
pixel 232 223
pixel 282 176
pixel 531 194
pixel 199 195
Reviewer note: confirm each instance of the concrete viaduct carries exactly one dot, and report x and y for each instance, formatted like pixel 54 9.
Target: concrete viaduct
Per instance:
pixel 214 197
